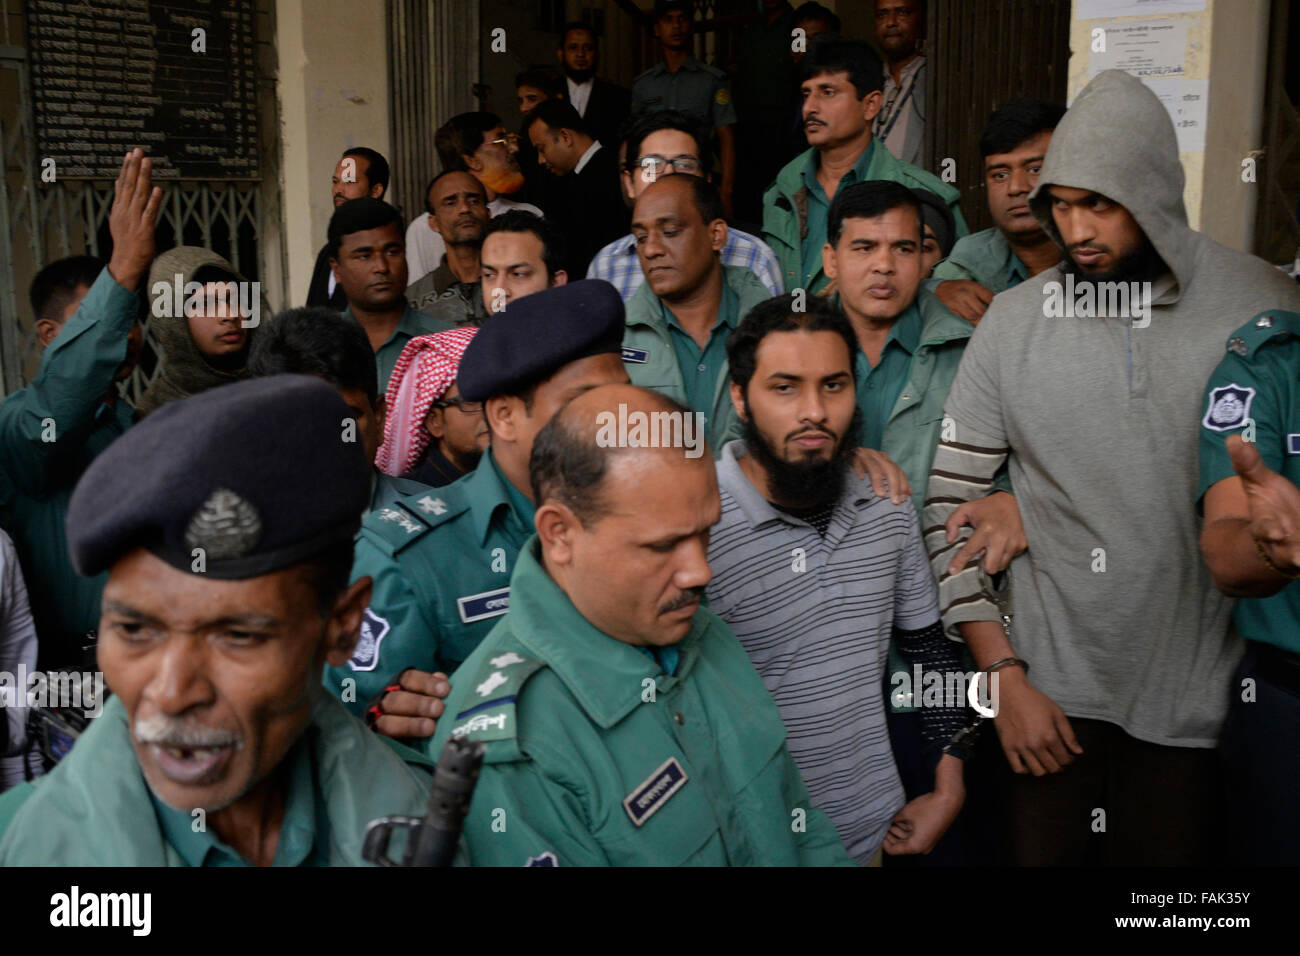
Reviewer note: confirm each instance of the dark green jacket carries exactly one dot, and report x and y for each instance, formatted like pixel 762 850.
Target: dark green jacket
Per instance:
pixel 596 757
pixel 94 809
pixel 49 433
pixel 785 207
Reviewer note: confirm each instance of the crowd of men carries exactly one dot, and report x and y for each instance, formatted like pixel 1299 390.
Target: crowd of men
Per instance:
pixel 835 536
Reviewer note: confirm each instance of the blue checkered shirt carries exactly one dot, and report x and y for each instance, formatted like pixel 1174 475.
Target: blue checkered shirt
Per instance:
pixel 617 263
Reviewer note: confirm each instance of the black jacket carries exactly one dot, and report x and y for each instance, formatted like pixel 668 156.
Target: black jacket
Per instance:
pixel 318 291
pixel 593 213
pixel 607 107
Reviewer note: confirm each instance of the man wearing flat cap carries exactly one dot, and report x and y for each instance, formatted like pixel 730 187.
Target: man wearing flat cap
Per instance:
pixel 226 531
pixel 441 562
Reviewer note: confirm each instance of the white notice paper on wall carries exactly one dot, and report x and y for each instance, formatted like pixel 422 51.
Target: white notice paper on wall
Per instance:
pixel 1095 9
pixel 1186 100
pixel 1154 47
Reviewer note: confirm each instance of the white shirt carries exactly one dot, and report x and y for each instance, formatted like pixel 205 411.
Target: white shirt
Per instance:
pixel 898 125
pixel 580 94
pixel 425 248
pixel 586 157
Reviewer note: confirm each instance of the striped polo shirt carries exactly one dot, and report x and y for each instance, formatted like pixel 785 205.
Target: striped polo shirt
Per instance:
pixel 815 616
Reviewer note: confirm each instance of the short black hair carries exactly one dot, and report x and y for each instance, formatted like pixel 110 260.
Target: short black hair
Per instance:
pixel 54 286
pixel 377 171
pixel 460 136
pixel 521 220
pixel 641 125
pixel 316 341
pixel 576 25
pixel 542 78
pixel 779 315
pixel 1016 121
pixel 662 7
pixel 558 114
pixel 866 200
pixel 703 194
pixel 357 215
pixel 812 10
pixel 833 53
pixel 568 465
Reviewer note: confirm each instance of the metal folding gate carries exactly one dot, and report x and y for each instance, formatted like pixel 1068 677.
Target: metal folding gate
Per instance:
pixel 41 222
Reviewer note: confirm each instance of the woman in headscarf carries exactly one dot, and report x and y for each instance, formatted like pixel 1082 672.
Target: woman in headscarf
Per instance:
pixel 430 435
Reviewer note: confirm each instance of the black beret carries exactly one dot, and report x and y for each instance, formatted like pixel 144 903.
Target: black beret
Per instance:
pixel 258 474
pixel 534 337
pixel 936 214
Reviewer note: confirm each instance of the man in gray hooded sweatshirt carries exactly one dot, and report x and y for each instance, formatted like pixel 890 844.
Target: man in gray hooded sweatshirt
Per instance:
pixel 1109 681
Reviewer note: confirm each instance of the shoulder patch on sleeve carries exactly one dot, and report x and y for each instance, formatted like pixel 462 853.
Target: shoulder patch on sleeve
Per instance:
pixel 488 710
pixel 373 631
pixel 1229 407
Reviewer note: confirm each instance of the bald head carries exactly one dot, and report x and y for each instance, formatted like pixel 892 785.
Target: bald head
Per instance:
pixel 625 500
pixel 680 233
pixel 603 433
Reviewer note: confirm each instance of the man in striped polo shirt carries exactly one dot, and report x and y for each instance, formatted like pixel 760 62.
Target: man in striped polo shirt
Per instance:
pixel 814 573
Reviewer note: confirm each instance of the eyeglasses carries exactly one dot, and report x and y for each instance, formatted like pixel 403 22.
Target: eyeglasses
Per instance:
pixel 469 408
pixel 509 140
pixel 657 165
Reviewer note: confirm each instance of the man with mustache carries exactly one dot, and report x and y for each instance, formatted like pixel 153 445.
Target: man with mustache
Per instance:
pixel 368 255
pixel 900 124
pixel 360 171
pixel 623 723
pixel 225 523
pixel 678 321
pixel 1015 247
pixel 459 213
pixel 441 561
pixel 1112 672
pixel 851 576
pixel 602 105
pixel 841 96
pixel 478 144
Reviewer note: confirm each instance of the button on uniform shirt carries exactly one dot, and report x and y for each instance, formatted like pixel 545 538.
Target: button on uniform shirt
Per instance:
pixel 618 265
pixel 696 88
pixel 591 770
pixel 441 565
pixel 817 627
pixel 701 367
pixel 411 324
pixel 879 387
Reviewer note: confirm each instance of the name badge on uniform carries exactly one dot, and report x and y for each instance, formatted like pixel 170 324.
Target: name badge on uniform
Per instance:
pixel 480 607
pixel 637 356
pixel 643 802
pixel 1293 444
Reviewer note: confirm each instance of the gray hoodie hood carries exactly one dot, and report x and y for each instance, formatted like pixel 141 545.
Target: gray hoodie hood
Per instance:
pixel 1118 140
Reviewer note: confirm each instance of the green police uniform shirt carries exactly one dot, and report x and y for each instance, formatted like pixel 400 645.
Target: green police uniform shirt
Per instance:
pixel 595 756
pixel 984 257
pixel 696 88
pixel 411 324
pixel 50 431
pixel 96 809
pixel 441 564
pixel 1257 386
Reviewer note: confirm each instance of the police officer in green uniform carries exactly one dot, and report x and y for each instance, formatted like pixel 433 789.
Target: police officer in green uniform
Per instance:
pixel 681 82
pixel 227 536
pixel 71 411
pixel 624 724
pixel 1250 467
pixel 441 561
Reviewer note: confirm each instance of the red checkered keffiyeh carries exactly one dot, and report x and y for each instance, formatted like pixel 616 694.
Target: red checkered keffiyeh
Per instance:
pixel 423 373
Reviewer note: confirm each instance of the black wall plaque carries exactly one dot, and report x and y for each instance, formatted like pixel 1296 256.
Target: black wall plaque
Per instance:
pixel 108 75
